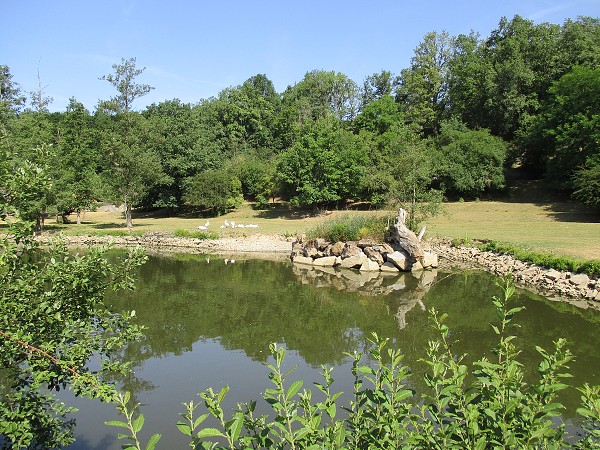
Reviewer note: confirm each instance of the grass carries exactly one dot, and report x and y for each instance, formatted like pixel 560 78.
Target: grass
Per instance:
pixel 558 228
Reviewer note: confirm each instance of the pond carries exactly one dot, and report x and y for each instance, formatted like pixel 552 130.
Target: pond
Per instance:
pixel 210 322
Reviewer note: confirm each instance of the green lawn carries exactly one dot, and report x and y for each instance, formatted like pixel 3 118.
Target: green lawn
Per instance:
pixel 561 228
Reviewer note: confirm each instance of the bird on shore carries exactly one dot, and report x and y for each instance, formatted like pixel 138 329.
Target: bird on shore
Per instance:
pixel 225 225
pixel 205 226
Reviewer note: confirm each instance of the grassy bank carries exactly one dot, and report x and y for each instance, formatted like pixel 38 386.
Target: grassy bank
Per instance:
pixel 563 229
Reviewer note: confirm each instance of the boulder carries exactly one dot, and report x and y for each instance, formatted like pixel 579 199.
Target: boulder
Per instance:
pixel 351 249
pixel 337 248
pixel 416 266
pixel 369 266
pixel 373 255
pixel 400 259
pixel 303 260
pixel 580 279
pixel 353 262
pixel 388 267
pixel 553 275
pixel 326 261
pixel 430 259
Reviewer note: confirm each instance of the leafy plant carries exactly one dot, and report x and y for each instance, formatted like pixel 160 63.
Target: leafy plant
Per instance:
pixel 182 233
pixel 351 228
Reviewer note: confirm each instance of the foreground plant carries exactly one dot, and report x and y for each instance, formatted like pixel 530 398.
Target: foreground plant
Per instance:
pixel 487 405
pixel 52 320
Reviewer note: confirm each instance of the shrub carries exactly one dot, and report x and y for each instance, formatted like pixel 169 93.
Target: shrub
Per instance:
pixel 180 232
pixel 346 228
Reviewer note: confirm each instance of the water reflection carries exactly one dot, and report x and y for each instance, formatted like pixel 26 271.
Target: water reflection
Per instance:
pixel 210 324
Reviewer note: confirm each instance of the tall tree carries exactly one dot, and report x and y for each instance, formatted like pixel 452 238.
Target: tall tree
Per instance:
pixel 123 80
pixel 11 98
pixel 424 85
pixel 134 168
pixel 377 86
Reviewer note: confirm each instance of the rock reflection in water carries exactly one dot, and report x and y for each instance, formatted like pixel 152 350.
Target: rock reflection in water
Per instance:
pixel 409 287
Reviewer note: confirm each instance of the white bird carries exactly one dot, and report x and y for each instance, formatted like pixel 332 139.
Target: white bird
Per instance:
pixel 225 225
pixel 240 226
pixel 232 224
pixel 205 226
pixel 251 225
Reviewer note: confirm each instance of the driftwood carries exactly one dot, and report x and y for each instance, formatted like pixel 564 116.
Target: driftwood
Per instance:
pixel 405 238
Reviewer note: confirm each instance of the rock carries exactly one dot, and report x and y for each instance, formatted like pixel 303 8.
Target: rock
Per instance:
pixel 337 248
pixel 416 266
pixel 373 255
pixel 351 249
pixel 338 261
pixel 399 259
pixel 580 279
pixel 353 262
pixel 369 266
pixel 303 260
pixel 365 243
pixel 321 244
pixel 553 275
pixel 430 259
pixel 326 261
pixel 388 267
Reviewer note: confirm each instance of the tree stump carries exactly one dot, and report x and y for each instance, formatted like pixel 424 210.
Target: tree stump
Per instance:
pixel 402 236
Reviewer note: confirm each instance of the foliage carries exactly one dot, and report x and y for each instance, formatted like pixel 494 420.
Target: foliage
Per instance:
pixel 470 162
pixel 592 268
pixel 586 182
pixel 351 228
pixel 215 190
pixel 52 320
pixel 486 405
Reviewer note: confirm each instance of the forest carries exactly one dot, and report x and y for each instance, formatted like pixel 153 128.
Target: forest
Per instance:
pixel 469 113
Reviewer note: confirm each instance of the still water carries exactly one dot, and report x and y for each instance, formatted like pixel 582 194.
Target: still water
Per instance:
pixel 209 324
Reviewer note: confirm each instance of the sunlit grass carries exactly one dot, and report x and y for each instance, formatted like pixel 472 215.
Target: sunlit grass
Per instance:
pixel 557 228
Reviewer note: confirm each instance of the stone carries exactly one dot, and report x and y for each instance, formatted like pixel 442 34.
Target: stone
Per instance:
pixel 373 255
pixel 388 267
pixel 353 262
pixel 303 260
pixel 337 248
pixel 416 266
pixel 365 243
pixel 321 244
pixel 580 279
pixel 369 266
pixel 351 249
pixel 430 259
pixel 553 275
pixel 338 261
pixel 399 259
pixel 326 261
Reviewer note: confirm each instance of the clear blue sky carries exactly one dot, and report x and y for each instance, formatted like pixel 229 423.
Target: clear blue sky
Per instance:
pixel 194 49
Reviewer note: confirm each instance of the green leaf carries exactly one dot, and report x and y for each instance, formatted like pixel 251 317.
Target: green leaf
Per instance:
pixel 209 432
pixel 235 426
pixel 199 420
pixel 222 393
pixel 116 423
pixel 152 441
pixel 184 428
pixel 293 389
pixel 138 423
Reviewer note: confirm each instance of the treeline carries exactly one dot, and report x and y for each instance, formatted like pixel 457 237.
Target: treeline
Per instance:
pixel 468 107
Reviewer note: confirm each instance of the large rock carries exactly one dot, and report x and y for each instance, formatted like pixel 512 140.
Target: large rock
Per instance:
pixel 369 266
pixel 388 267
pixel 400 259
pixel 351 249
pixel 326 261
pixel 430 259
pixel 353 262
pixel 580 279
pixel 373 255
pixel 303 260
pixel 337 248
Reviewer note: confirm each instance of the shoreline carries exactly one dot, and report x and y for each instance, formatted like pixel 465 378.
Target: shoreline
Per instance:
pixel 553 284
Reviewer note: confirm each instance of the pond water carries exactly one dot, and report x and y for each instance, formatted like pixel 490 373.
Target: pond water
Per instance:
pixel 210 322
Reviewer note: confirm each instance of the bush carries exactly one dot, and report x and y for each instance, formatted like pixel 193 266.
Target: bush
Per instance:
pixel 346 228
pixel 180 232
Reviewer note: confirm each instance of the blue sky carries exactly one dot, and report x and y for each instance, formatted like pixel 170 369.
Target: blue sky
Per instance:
pixel 194 49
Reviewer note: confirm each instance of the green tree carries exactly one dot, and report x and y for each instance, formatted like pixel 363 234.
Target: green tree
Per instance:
pixel 11 99
pixel 52 321
pixel 377 86
pixel 572 123
pixel 469 162
pixel 133 167
pixel 586 182
pixel 324 165
pixel 423 87
pixel 123 80
pixel 214 190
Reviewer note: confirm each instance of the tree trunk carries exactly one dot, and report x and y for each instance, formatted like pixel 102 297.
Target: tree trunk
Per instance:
pixel 401 235
pixel 128 216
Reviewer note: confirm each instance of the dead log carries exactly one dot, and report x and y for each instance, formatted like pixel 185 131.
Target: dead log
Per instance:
pixel 402 236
